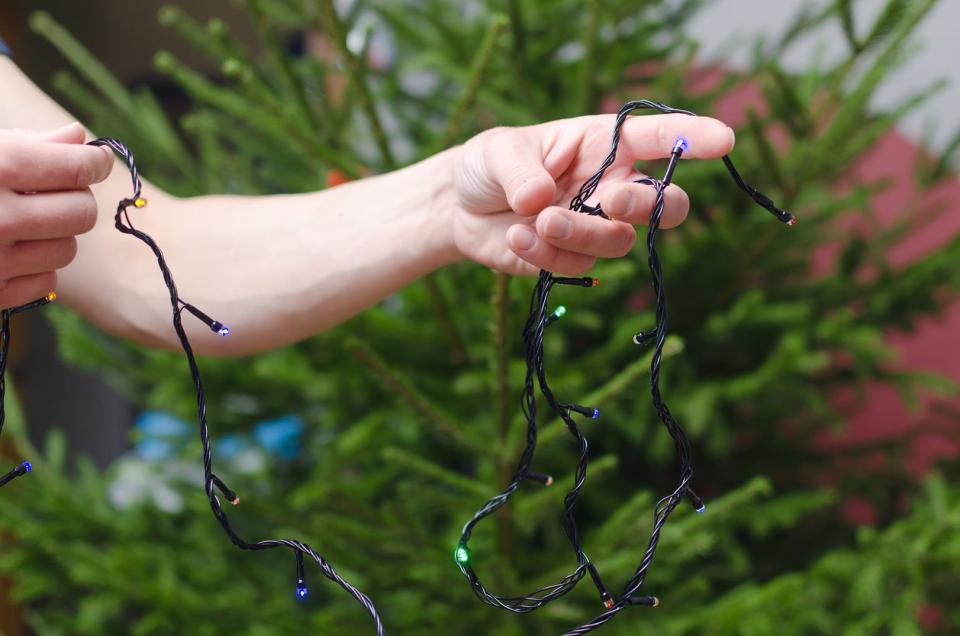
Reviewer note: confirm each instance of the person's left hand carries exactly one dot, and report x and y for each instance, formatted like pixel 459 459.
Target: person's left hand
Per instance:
pixel 509 181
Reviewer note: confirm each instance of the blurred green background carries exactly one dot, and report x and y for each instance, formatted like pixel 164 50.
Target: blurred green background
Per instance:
pixel 375 441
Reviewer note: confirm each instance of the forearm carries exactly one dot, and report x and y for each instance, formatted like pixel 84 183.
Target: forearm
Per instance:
pixel 275 269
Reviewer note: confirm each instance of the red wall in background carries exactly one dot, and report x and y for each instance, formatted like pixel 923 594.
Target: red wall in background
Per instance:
pixel 935 344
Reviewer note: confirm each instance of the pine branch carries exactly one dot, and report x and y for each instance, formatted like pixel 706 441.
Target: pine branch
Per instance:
pixel 588 80
pixel 478 69
pixel 617 385
pixel 400 387
pixel 441 308
pixel 434 471
pixel 357 76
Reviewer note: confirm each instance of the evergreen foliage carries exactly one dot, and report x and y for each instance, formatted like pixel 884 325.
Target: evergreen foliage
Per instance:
pixel 411 409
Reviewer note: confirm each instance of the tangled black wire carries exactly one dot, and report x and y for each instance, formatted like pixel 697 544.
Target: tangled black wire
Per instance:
pixel 24 467
pixel 533 334
pixel 212 481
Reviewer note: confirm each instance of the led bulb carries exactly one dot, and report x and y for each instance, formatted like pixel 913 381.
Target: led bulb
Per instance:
pixel 27 466
pixel 301 589
pixel 139 202
pixel 223 331
pixel 596 414
pixel 596 281
pixel 560 311
pixel 702 509
pixel 462 555
pixel 52 296
pixel 682 143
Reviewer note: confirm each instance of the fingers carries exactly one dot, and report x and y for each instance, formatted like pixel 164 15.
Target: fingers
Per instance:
pixel 46 215
pixel 69 134
pixel 569 242
pixel 36 257
pixel 514 159
pixel 585 234
pixel 24 289
pixel 31 165
pixel 72 133
pixel 633 203
pixel 525 243
pixel 653 136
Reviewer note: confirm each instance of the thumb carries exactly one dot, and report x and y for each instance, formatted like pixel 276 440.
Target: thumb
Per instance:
pixel 72 133
pixel 514 160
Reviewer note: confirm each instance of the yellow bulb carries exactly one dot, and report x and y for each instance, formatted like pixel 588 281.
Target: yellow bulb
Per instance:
pixel 140 202
pixel 52 296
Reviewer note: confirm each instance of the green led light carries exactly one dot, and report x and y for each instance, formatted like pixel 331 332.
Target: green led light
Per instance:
pixel 462 555
pixel 560 312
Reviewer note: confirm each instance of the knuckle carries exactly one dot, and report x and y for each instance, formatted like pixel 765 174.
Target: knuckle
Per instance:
pixel 8 166
pixel 627 239
pixel 44 283
pixel 663 137
pixel 86 212
pixel 81 174
pixel 64 252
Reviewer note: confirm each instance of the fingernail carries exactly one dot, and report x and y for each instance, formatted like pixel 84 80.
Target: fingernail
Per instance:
pixel 557 227
pixel 523 238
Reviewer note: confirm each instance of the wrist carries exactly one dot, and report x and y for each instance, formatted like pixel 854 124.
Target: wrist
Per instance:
pixel 434 177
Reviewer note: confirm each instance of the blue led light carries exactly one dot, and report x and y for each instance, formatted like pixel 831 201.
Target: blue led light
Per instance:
pixel 683 143
pixel 702 509
pixel 301 590
pixel 27 466
pixel 596 414
pixel 224 331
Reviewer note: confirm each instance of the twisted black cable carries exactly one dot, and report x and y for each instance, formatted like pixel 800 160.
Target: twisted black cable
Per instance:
pixel 533 333
pixel 211 481
pixel 24 467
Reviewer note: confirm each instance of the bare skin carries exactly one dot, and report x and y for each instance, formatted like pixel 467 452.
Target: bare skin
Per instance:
pixel 280 268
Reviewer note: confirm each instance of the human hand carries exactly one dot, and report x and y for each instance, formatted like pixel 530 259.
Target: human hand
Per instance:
pixel 45 202
pixel 509 181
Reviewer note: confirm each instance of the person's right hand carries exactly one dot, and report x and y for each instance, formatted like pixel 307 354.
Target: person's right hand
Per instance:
pixel 45 202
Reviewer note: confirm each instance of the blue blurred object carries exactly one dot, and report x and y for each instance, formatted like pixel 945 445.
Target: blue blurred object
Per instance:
pixel 159 435
pixel 280 436
pixel 160 424
pixel 229 446
pixel 153 449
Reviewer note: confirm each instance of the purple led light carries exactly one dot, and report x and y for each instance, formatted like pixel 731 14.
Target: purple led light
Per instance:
pixel 224 331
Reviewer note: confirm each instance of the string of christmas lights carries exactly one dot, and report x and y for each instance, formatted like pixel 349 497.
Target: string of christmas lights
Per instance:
pixel 24 467
pixel 533 335
pixel 212 482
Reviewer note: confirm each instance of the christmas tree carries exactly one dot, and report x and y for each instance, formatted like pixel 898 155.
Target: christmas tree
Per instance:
pixel 394 427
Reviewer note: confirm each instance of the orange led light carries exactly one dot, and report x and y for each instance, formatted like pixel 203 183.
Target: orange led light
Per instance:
pixel 52 296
